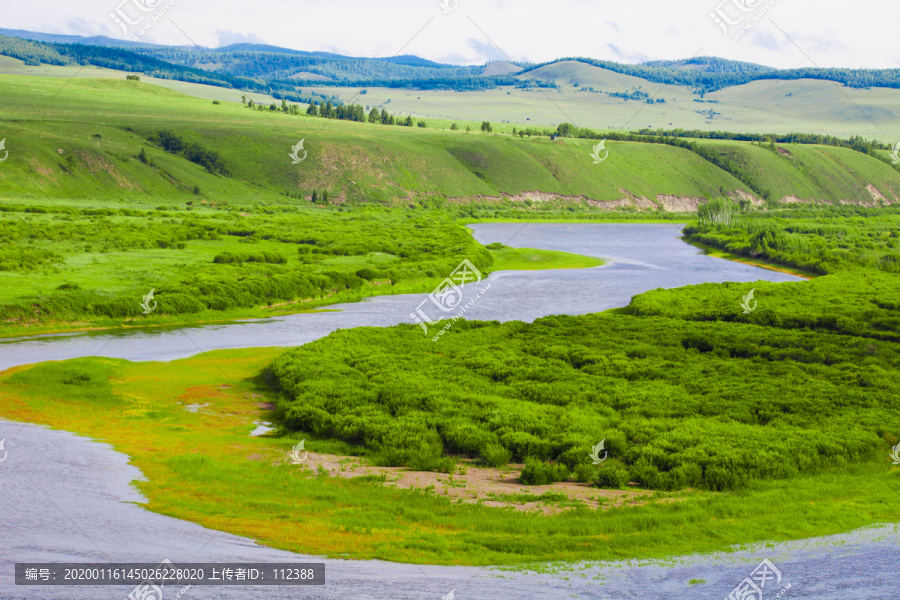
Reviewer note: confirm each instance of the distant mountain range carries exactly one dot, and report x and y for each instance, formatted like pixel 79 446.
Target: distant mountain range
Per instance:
pixel 281 71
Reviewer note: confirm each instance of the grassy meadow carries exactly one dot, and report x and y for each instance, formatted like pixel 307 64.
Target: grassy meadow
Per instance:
pixel 770 106
pixel 204 467
pixel 714 419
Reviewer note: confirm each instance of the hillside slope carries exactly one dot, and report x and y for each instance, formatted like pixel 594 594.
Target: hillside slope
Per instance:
pixel 812 173
pixel 84 138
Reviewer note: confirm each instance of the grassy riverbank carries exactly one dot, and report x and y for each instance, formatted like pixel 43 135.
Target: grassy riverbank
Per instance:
pixel 74 268
pixel 203 466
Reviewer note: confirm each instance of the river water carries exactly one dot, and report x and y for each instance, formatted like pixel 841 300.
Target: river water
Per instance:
pixel 639 258
pixel 65 498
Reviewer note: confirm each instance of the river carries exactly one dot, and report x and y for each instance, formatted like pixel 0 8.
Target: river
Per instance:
pixel 65 498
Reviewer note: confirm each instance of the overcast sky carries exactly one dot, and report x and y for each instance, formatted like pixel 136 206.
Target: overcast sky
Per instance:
pixel 785 33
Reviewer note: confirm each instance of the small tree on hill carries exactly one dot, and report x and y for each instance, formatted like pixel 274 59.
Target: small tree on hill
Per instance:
pixel 374 116
pixel 486 127
pixel 315 198
pixel 566 130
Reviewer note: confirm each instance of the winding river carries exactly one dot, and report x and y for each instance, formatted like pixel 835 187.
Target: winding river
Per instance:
pixel 65 498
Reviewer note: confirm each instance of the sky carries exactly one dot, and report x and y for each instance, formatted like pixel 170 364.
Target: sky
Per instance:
pixel 777 33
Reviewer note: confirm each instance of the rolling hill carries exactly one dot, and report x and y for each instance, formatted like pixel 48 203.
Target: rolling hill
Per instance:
pixel 93 138
pixel 704 93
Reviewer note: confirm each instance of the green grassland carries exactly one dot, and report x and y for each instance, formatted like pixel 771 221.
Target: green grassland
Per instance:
pixel 529 259
pixel 727 416
pixel 97 210
pixel 67 267
pixel 799 172
pixel 81 139
pixel 80 267
pixel 685 385
pixel 772 106
pixel 354 161
pixel 731 417
pixel 204 467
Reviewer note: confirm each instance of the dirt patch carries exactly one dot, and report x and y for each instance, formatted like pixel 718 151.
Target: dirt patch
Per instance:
pixel 783 151
pixel 680 203
pixel 666 202
pixel 876 194
pixel 742 195
pixel 795 200
pixel 46 172
pixel 491 487
pixel 96 163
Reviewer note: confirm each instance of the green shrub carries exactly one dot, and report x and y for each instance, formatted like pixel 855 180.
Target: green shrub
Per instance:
pixel 584 473
pixel 495 455
pixel 541 473
pixel 368 274
pixel 612 475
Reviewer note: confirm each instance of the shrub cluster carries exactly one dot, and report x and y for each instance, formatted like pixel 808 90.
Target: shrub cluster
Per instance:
pixel 680 404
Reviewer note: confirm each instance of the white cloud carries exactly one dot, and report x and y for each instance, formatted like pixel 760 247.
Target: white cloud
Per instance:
pixel 832 34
